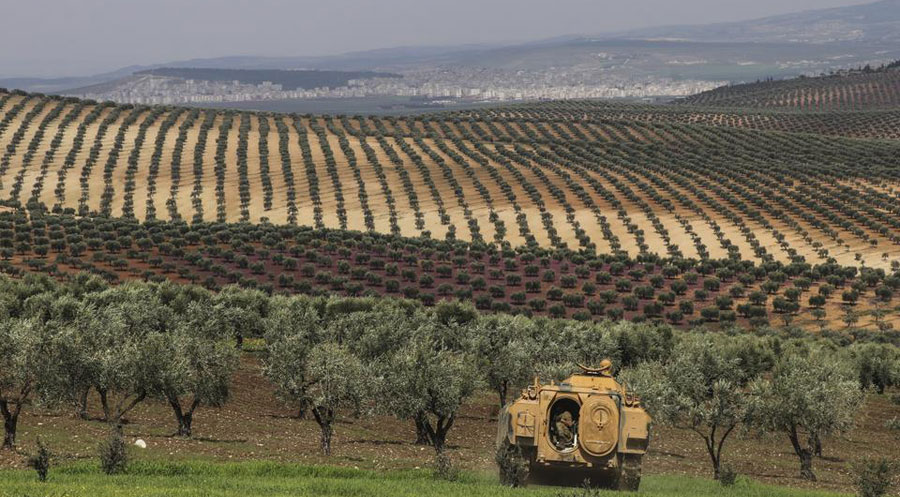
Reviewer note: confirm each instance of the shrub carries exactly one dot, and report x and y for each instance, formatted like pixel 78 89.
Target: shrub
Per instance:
pixel 513 466
pixel 596 307
pixel 557 311
pixel 518 298
pixel 710 314
pixel 392 286
pixel 40 461
pixel 581 316
pixel 874 477
pixel 674 317
pixel 484 302
pixel 443 469
pixel 630 303
pixel 537 304
pixel 893 424
pixel 653 309
pixel 727 476
pixel 113 454
pixel 679 287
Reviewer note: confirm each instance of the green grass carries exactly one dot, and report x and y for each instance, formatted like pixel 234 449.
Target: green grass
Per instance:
pixel 248 479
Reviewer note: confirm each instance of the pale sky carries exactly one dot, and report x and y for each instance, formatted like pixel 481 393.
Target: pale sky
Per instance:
pixel 81 37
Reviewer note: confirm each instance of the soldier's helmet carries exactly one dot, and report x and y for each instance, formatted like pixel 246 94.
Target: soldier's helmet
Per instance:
pixel 605 367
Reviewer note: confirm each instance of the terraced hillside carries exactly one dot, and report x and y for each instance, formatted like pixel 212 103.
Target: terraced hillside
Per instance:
pixel 854 91
pixel 615 186
pixel 554 283
pixel 875 124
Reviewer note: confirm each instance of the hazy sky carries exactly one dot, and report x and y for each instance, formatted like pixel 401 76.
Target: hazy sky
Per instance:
pixel 80 37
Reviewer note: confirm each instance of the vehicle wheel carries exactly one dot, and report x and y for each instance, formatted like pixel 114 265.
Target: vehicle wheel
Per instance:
pixel 629 472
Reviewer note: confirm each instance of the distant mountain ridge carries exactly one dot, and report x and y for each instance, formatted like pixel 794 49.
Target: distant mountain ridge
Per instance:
pixel 808 42
pixel 872 22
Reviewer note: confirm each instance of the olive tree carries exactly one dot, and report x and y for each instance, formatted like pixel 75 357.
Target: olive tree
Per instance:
pixel 66 378
pixel 504 351
pixel 315 372
pixel 24 362
pixel 372 332
pixel 700 388
pixel 430 378
pixel 199 360
pixel 293 327
pixel 810 395
pixel 118 339
pixel 242 312
pixel 336 379
pixel 324 376
pixel 877 365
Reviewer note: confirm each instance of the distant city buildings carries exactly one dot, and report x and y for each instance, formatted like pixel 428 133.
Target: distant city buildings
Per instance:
pixel 476 85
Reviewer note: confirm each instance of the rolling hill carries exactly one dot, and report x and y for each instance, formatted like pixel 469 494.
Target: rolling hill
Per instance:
pixel 607 183
pixel 872 89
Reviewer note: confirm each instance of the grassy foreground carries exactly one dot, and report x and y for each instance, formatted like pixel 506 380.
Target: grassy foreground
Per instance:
pixel 245 479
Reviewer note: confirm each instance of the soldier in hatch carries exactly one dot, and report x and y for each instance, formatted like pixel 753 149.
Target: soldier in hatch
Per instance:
pixel 565 430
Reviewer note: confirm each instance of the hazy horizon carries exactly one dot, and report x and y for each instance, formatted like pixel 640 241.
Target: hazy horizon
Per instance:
pixel 52 38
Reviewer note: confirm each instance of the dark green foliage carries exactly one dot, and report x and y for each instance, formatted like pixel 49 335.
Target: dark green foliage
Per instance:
pixel 113 454
pixel 875 477
pixel 513 466
pixel 40 461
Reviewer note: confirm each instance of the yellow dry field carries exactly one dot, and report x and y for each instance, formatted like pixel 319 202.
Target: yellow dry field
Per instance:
pixel 47 175
pixel 493 175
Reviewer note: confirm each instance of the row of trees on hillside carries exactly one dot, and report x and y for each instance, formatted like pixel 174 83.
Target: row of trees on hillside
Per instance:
pixel 814 195
pixel 334 357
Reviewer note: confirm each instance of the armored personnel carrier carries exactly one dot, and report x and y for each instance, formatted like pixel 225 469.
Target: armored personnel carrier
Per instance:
pixel 586 427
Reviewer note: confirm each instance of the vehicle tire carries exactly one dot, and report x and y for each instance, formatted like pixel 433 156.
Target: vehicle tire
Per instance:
pixel 629 472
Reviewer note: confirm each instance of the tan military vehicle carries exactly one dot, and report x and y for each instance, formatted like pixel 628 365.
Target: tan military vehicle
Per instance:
pixel 586 427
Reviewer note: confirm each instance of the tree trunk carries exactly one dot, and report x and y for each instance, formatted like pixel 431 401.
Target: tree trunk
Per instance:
pixel 716 461
pixel 806 466
pixel 9 433
pixel 115 417
pixel 104 401
pixel 714 456
pixel 816 443
pixel 327 431
pixel 325 418
pixel 438 434
pixel 184 425
pixel 83 403
pixel 422 437
pixel 304 407
pixel 10 421
pixel 804 454
pixel 184 418
pixel 443 465
pixel 439 442
pixel 502 391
